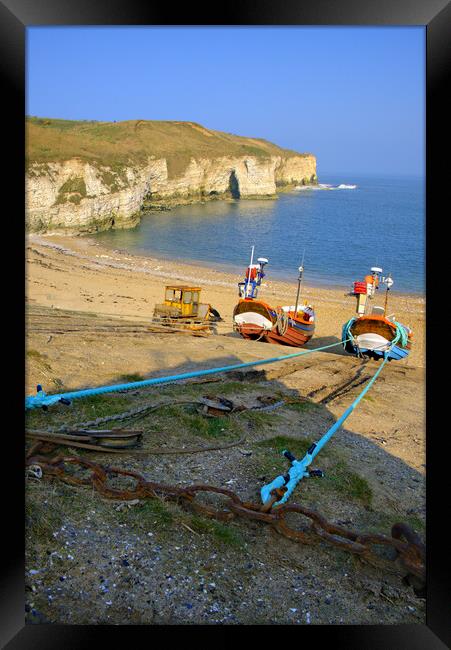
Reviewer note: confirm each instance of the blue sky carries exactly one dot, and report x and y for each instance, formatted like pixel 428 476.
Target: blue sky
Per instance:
pixel 353 96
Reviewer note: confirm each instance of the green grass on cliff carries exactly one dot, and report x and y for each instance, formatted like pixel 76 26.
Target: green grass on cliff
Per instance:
pixel 131 143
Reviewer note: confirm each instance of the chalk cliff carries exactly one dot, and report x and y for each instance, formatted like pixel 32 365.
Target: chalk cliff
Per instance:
pixel 84 192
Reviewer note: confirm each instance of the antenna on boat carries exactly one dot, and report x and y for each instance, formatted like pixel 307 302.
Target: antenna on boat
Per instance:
pixel 301 271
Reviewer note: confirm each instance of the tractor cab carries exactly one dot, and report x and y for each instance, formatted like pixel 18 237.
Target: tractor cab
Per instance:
pixel 185 299
pixel 182 307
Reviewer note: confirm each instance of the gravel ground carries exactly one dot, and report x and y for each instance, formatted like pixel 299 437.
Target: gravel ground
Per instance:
pixel 92 560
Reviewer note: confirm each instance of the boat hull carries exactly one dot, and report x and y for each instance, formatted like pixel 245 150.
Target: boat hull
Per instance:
pixel 255 320
pixel 372 337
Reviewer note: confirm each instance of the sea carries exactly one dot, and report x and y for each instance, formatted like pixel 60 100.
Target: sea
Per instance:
pixel 337 230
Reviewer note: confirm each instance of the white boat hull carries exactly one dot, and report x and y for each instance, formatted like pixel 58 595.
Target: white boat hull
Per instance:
pixel 253 318
pixel 371 341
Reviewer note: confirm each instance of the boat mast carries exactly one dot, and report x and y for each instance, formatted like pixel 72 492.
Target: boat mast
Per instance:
pixel 249 273
pixel 301 271
pixel 376 274
pixel 388 282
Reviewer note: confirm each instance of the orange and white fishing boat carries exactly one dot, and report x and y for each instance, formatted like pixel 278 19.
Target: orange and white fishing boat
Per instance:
pixel 372 332
pixel 257 320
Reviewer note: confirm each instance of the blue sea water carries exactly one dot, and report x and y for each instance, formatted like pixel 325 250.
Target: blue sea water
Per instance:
pixel 344 231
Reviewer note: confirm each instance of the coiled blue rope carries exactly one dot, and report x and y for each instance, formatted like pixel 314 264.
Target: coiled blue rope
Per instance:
pixel 42 399
pixel 346 334
pixel 402 335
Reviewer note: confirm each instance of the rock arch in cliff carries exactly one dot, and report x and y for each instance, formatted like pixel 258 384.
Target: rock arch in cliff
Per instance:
pixel 234 186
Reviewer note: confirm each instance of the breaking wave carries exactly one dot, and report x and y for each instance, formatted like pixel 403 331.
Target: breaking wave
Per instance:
pixel 326 186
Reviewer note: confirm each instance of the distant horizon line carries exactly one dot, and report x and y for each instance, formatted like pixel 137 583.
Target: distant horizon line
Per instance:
pixel 381 174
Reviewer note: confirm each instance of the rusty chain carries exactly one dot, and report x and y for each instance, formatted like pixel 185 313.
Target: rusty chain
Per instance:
pixel 408 551
pixel 142 411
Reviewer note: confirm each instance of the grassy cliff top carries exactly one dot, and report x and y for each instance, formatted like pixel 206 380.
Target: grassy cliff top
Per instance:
pixel 133 142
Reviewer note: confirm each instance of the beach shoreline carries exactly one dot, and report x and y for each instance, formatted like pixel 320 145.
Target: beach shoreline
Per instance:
pixel 228 268
pixel 80 275
pixel 336 252
pixel 191 269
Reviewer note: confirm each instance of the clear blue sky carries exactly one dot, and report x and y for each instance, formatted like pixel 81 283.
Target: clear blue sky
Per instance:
pixel 353 96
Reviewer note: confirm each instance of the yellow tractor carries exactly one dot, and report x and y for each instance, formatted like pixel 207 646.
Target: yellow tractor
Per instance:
pixel 182 309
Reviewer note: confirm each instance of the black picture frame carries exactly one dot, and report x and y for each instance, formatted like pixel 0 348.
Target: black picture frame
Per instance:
pixel 15 17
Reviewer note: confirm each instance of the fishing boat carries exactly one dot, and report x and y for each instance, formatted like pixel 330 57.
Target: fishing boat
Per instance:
pixel 255 319
pixel 372 332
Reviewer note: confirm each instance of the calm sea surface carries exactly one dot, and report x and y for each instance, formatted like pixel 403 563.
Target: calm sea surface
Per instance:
pixel 344 231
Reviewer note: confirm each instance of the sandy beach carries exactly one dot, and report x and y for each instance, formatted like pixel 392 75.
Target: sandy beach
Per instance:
pixel 77 274
pixel 87 310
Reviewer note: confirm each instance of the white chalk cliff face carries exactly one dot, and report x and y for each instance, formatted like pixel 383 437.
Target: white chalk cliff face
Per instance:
pixel 76 196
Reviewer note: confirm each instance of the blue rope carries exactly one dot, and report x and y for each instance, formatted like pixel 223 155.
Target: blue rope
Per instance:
pixel 298 469
pixel 402 334
pixel 346 334
pixel 41 399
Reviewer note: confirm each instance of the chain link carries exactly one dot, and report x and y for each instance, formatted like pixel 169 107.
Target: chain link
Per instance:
pixel 142 411
pixel 408 551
